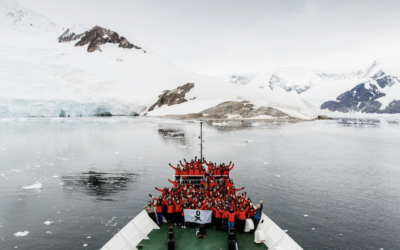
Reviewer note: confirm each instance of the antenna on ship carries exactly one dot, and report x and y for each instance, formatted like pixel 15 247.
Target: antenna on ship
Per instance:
pixel 201 140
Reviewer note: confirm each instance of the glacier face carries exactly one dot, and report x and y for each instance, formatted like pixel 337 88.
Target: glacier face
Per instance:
pixel 64 108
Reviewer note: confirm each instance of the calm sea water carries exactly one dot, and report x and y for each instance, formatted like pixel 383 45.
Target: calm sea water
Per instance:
pixel 97 174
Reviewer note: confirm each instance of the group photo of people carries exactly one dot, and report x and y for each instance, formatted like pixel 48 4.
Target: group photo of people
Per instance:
pixel 202 185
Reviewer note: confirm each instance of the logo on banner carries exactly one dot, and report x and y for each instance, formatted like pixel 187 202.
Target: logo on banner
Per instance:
pixel 198 216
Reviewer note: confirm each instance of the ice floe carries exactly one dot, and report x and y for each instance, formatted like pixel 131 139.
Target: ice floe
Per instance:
pixel 182 146
pixel 219 124
pixel 48 222
pixel 116 152
pixel 20 234
pixel 34 186
pixel 266 163
pixel 48 232
pixel 256 124
pixel 85 245
pixel 55 176
pixel 306 215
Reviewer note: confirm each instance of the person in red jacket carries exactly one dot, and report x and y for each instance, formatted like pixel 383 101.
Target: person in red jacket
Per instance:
pixel 178 171
pixel 164 191
pixel 177 211
pixel 241 215
pixel 224 219
pixel 183 207
pixel 175 183
pixel 170 211
pixel 231 219
pixel 159 208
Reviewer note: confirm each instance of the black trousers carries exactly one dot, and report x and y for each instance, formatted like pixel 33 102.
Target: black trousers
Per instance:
pixel 224 225
pixel 218 224
pixel 178 218
pixel 170 217
pixel 241 225
pixel 153 217
pixel 178 177
pixel 256 221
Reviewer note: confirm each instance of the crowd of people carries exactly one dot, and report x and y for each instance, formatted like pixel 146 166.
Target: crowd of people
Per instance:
pixel 204 189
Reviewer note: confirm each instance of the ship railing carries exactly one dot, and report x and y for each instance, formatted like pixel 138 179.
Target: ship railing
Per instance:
pixel 196 179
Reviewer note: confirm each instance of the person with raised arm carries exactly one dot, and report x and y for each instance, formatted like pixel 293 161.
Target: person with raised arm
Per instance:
pixel 241 215
pixel 257 215
pixel 150 210
pixel 231 219
pixel 176 183
pixel 178 171
pixel 159 207
pixel 164 191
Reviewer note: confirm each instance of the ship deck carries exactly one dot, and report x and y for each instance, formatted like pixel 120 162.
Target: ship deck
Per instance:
pixel 185 238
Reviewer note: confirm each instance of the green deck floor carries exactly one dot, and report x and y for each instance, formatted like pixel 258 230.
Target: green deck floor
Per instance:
pixel 185 238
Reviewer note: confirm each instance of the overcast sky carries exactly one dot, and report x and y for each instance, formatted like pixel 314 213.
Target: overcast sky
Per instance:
pixel 233 36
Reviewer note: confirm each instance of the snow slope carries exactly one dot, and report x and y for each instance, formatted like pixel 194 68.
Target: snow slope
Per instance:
pixel 41 77
pixel 15 16
pixel 318 87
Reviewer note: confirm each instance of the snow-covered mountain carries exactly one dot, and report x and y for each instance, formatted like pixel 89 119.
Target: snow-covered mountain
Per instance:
pixel 374 89
pixel 15 16
pixel 47 72
pixel 237 78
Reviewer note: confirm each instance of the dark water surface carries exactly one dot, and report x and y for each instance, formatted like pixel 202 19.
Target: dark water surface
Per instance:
pixel 97 174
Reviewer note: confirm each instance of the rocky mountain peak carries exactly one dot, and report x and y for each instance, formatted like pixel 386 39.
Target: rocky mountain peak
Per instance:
pixel 95 37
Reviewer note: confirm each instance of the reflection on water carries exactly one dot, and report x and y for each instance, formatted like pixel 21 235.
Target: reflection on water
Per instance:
pixel 97 184
pixel 351 122
pixel 174 133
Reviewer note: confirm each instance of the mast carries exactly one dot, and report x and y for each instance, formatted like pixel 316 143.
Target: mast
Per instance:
pixel 201 141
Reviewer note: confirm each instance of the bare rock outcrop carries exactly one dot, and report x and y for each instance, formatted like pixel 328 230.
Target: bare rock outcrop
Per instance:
pixel 236 110
pixel 95 37
pixel 242 109
pixel 173 97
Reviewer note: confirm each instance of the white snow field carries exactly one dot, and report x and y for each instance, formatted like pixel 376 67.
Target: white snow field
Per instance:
pixel 41 77
pixel 317 86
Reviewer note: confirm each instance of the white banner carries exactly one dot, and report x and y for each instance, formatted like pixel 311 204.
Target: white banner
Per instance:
pixel 198 216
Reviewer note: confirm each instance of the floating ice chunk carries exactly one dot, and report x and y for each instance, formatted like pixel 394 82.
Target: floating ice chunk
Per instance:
pixel 38 166
pixel 266 163
pixel 3 149
pixel 85 245
pixel 34 186
pixel 55 176
pixel 48 222
pixel 313 229
pixel 278 175
pixel 48 232
pixel 88 237
pixel 305 215
pixel 249 141
pixel 256 124
pixel 20 234
pixel 51 164
pixel 285 230
pixel 116 152
pixel 140 157
pixel 182 146
pixel 61 183
pixel 219 124
pixel 65 159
